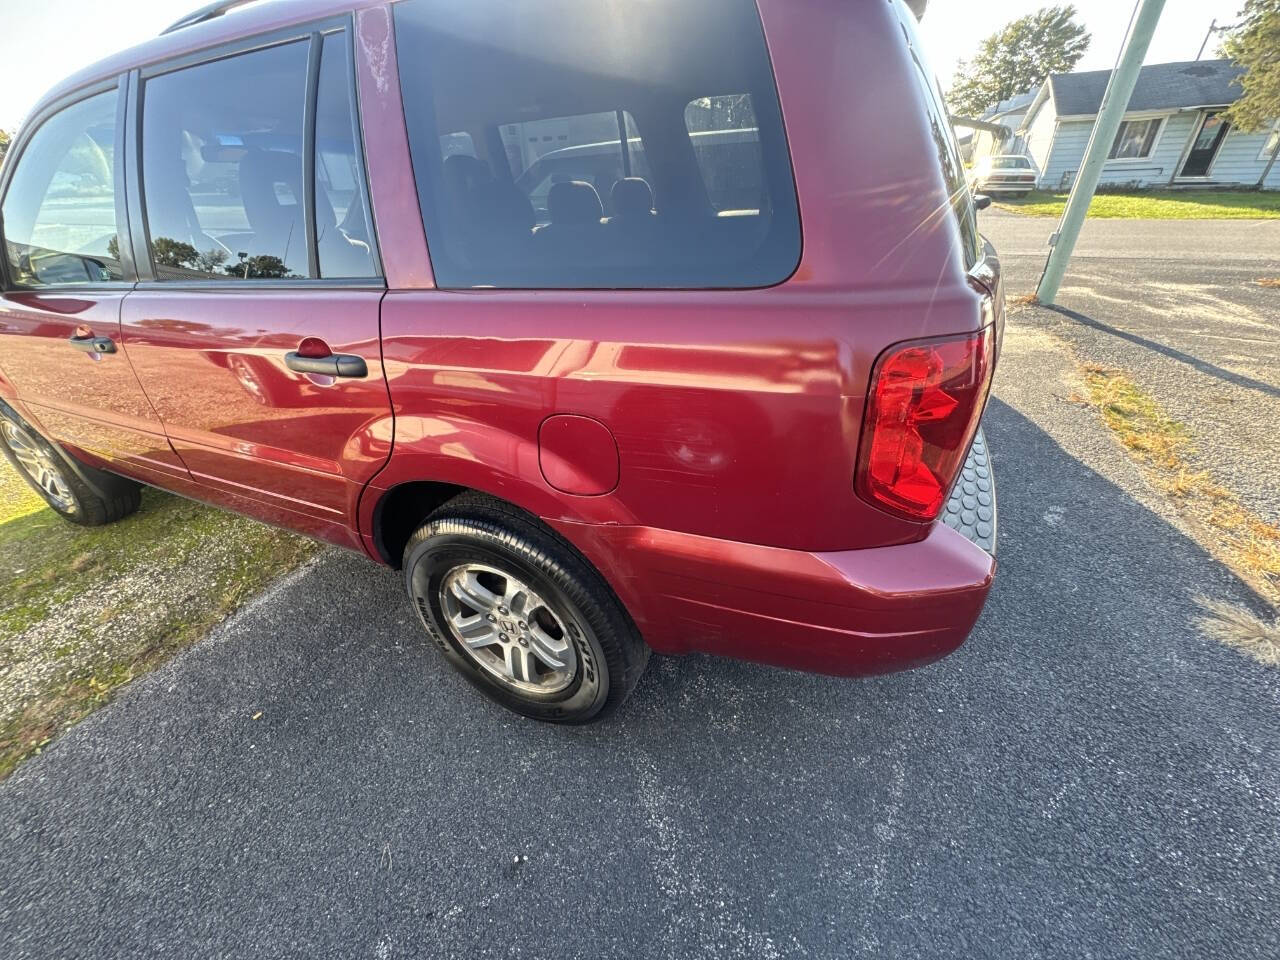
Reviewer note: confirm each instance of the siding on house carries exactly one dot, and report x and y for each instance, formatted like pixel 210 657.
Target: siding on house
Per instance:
pixel 1238 161
pixel 1070 137
pixel 1158 168
pixel 985 143
pixel 1057 141
pixel 1039 135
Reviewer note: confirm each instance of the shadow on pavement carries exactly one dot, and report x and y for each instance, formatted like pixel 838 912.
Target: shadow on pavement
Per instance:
pixel 1087 776
pixel 1203 366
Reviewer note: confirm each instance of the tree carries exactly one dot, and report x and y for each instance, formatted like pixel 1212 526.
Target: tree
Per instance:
pixel 1020 57
pixel 262 267
pixel 4 144
pixel 1256 47
pixel 172 253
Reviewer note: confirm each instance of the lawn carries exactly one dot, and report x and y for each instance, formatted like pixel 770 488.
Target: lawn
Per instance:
pixel 83 611
pixel 1156 205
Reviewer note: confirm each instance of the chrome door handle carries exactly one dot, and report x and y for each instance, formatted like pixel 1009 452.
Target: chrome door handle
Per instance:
pixel 93 344
pixel 334 365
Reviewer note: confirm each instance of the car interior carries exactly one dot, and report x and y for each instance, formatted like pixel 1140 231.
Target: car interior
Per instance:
pixel 498 71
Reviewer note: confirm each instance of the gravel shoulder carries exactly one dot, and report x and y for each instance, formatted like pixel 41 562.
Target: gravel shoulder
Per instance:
pixel 85 610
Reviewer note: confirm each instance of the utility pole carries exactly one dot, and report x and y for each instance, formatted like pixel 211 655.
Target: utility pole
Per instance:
pixel 1214 28
pixel 1114 103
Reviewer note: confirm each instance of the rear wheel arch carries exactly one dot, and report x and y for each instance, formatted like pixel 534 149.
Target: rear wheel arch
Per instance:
pixel 402 510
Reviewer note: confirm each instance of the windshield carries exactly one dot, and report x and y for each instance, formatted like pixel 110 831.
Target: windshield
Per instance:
pixel 1011 163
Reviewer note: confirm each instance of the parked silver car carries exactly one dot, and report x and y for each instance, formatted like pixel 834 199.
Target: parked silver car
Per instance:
pixel 1009 173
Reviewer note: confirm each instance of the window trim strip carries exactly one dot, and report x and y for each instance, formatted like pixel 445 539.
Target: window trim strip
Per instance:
pixel 309 107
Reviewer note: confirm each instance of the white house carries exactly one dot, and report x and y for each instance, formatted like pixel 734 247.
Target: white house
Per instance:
pixel 1172 135
pixel 1010 113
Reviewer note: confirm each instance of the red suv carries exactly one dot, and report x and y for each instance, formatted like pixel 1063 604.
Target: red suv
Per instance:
pixel 617 327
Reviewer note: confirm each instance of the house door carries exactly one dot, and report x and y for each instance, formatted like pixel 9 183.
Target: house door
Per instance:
pixel 1213 130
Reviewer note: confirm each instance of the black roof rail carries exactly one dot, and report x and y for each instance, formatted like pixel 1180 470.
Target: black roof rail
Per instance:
pixel 207 12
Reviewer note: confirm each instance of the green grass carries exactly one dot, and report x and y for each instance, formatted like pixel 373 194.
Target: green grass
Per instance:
pixel 85 610
pixel 1156 205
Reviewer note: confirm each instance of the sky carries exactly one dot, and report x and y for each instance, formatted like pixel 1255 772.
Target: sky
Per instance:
pixel 45 40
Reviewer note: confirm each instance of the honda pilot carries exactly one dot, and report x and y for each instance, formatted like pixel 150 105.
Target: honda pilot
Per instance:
pixel 616 328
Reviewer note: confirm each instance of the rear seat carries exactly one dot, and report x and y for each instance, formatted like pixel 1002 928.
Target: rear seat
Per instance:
pixel 576 226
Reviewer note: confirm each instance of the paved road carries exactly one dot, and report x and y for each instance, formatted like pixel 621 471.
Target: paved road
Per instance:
pixel 1197 241
pixel 1089 776
pixel 1176 304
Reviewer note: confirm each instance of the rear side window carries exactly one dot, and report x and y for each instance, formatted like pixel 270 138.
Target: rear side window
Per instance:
pixel 60 208
pixel 588 148
pixel 726 144
pixel 643 147
pixel 224 175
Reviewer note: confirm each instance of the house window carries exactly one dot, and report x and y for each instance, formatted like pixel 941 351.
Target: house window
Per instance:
pixel 1272 141
pixel 1134 139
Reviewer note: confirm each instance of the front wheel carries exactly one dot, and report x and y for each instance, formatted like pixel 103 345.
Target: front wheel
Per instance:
pixel 521 614
pixel 64 488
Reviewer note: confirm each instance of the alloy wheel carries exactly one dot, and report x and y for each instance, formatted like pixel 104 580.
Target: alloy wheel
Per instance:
pixel 39 465
pixel 508 629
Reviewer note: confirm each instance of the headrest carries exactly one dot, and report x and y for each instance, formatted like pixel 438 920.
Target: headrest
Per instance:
pixel 632 197
pixel 463 172
pixel 271 166
pixel 574 202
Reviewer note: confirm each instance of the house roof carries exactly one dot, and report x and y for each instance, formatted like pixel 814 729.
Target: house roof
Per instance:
pixel 1161 86
pixel 1015 103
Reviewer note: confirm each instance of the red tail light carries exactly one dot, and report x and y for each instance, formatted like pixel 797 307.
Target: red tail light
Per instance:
pixel 923 409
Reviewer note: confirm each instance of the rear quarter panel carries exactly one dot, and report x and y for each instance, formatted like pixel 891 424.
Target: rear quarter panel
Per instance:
pixel 736 412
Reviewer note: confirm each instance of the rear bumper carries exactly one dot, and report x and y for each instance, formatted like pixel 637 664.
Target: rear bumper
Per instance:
pixel 846 613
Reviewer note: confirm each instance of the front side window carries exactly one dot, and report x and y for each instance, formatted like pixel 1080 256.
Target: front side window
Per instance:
pixel 644 147
pixel 223 174
pixel 1135 139
pixel 60 208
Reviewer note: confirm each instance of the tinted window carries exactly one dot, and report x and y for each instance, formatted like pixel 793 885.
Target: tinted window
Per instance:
pixel 587 148
pixel 642 147
pixel 1011 163
pixel 343 232
pixel 60 209
pixel 222 167
pixel 944 142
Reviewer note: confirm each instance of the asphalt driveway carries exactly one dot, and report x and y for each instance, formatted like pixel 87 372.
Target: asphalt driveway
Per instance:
pixel 1088 776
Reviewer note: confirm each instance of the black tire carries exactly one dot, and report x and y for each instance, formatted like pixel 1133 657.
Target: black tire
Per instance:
pixel 91 498
pixel 474 529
